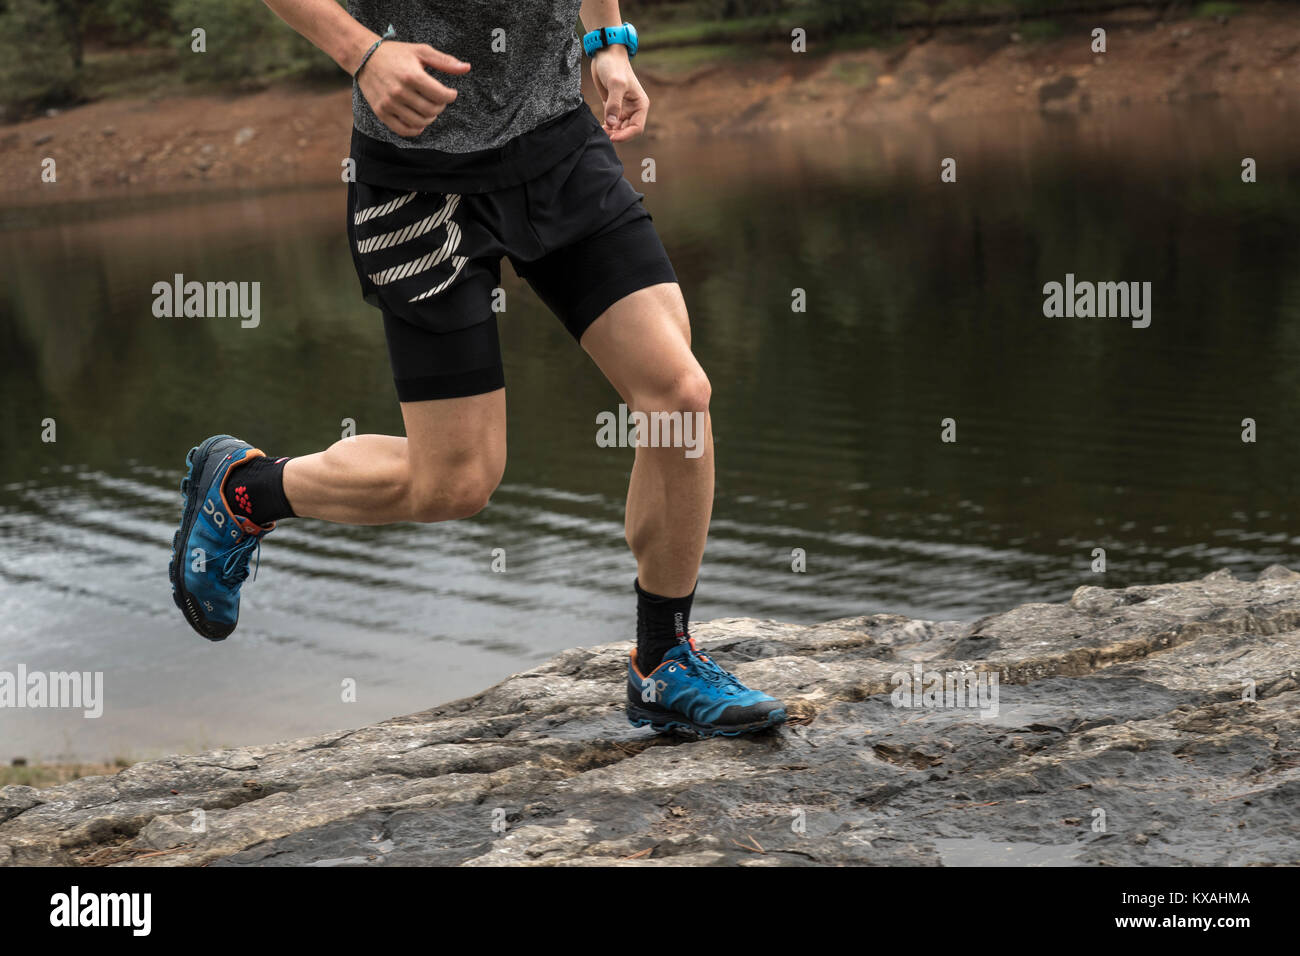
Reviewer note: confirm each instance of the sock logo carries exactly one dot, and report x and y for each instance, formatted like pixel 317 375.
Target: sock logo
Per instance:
pixel 243 500
pixel 679 625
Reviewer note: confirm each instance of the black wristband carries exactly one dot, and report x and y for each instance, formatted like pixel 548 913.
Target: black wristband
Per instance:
pixel 387 35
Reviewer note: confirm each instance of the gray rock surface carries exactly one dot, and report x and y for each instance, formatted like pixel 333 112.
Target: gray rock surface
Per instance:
pixel 1123 735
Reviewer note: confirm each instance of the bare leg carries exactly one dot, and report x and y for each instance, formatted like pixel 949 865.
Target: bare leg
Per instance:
pixel 447 466
pixel 643 345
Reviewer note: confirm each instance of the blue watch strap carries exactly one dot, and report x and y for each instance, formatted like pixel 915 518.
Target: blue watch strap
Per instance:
pixel 597 40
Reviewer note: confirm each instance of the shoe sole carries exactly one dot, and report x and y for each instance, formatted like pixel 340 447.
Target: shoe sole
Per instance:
pixel 638 717
pixel 190 489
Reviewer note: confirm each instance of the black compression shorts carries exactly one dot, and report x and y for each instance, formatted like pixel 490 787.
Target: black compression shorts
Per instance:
pixel 430 261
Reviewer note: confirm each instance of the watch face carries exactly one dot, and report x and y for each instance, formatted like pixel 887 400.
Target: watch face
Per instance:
pixel 631 38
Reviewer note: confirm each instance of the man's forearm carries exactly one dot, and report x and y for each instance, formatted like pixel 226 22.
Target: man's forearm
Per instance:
pixel 599 13
pixel 329 27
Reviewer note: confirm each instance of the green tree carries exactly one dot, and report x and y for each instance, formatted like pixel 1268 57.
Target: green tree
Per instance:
pixel 70 18
pixel 244 40
pixel 38 60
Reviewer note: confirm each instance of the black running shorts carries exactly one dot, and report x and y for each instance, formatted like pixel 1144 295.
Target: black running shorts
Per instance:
pixel 430 261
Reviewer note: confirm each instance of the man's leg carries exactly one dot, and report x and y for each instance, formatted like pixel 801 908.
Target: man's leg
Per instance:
pixel 642 343
pixel 609 280
pixel 432 277
pixel 446 467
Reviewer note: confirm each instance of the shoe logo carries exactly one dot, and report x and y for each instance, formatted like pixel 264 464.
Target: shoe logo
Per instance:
pixel 652 689
pixel 208 605
pixel 210 509
pixel 243 500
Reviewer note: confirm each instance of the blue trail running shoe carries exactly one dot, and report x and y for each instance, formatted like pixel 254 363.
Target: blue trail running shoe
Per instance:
pixel 212 548
pixel 692 693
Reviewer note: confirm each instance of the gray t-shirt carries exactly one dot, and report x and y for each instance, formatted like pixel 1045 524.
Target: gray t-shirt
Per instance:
pixel 533 75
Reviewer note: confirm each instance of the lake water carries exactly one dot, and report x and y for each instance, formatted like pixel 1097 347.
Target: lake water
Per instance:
pixel 924 302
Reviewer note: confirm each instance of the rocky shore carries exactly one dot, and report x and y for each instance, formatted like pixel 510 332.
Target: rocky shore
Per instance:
pixel 1148 725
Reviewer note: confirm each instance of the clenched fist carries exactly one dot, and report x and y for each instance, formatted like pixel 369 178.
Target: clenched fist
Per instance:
pixel 396 83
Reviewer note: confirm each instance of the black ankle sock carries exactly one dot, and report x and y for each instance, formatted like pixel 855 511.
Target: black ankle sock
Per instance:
pixel 256 490
pixel 661 624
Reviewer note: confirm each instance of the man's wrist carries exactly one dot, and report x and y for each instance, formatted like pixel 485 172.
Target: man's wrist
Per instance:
pixel 370 51
pixel 349 52
pixel 617 49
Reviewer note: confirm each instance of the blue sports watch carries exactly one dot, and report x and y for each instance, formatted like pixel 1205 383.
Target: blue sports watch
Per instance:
pixel 597 40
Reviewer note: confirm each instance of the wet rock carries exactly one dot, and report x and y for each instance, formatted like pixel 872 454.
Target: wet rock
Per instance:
pixel 1056 95
pixel 14 800
pixel 1149 725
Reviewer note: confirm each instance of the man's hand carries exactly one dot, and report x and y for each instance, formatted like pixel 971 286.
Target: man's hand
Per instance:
pixel 403 95
pixel 626 104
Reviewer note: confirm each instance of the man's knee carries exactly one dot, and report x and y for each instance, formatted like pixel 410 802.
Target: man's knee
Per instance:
pixel 694 391
pixel 459 491
pixel 688 391
pixel 467 495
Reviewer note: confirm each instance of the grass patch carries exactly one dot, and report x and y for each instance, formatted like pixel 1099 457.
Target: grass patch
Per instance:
pixel 862 40
pixel 53 774
pixel 854 73
pixel 684 59
pixel 1039 30
pixel 706 31
pixel 1216 8
pixel 132 72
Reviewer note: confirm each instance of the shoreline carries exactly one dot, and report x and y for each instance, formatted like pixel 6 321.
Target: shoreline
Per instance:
pixel 297 135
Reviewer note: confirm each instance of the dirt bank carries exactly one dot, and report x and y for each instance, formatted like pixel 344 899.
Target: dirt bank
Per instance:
pixel 299 135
